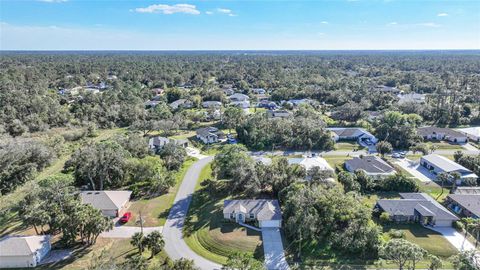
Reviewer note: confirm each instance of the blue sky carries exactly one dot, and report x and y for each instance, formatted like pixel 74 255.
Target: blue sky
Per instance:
pixel 239 24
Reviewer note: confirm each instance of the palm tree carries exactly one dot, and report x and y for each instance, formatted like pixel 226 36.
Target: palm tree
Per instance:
pixel 138 241
pixel 442 177
pixel 454 176
pixel 467 221
pixel 154 241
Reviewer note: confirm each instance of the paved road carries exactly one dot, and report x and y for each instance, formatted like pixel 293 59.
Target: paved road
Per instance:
pixel 273 249
pixel 454 237
pixel 175 246
pixel 128 231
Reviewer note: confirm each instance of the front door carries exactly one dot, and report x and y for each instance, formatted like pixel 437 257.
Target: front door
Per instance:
pixel 240 217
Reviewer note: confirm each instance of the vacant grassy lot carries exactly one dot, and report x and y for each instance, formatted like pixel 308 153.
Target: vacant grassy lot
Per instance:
pixel 155 210
pixel 205 231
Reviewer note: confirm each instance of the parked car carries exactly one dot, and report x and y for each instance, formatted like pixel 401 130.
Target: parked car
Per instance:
pixel 126 217
pixel 396 155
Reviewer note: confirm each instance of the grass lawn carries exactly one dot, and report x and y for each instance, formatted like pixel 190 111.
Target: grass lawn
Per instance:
pixel 336 160
pixel 155 210
pixel 430 240
pixel 207 234
pixel 347 146
pixel 442 145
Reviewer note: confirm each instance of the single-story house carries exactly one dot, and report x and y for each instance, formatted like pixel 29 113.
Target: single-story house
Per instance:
pixel 241 104
pixel 387 89
pixel 473 133
pixel 151 104
pixel 238 97
pixel 467 205
pixel 263 160
pixel 437 133
pixel 181 103
pixel 278 114
pixel 411 98
pixel 158 91
pixel 417 207
pixel 211 104
pixel 437 164
pixel 310 162
pixel 352 134
pixel 259 91
pixel 298 102
pixel 466 190
pixel 23 251
pixel 372 165
pixel 157 143
pixel 266 212
pixel 209 135
pixel 267 104
pixel 112 203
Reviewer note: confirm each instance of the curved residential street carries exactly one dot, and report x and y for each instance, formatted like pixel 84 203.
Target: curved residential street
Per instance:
pixel 175 246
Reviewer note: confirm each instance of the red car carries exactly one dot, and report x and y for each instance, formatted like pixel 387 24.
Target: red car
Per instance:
pixel 126 217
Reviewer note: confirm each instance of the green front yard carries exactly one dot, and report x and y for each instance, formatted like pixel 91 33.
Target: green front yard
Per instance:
pixel 347 146
pixel 207 234
pixel 155 210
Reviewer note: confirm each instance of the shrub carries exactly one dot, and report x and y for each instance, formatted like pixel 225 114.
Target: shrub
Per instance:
pixel 458 225
pixel 396 234
pixel 384 217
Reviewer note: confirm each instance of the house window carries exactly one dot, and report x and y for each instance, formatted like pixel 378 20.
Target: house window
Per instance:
pixel 252 216
pixel 232 215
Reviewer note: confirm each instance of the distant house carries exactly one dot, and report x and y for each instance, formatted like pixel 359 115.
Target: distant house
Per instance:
pixel 437 164
pixel 298 102
pixel 438 133
pixel 181 103
pixel 473 133
pixel 209 135
pixel 278 114
pixel 23 251
pixel 311 162
pixel 228 91
pixel 372 165
pixel 112 77
pixel 157 143
pixel 352 134
pixel 238 97
pixel 241 104
pixel 411 98
pixel 466 190
pixel 211 104
pixel 111 203
pixel 151 104
pixel 259 91
pixel 417 207
pixel 158 91
pixel 266 212
pixel 386 89
pixel 263 160
pixel 267 104
pixel 466 205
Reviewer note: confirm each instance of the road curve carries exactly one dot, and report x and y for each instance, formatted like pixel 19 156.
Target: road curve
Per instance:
pixel 175 246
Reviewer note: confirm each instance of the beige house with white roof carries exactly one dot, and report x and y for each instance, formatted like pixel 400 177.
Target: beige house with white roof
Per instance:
pixel 111 203
pixel 23 251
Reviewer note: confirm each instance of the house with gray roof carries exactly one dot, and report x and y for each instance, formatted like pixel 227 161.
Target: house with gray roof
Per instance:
pixel 467 190
pixel 23 251
pixel 238 97
pixel 438 133
pixel 372 166
pixel 181 103
pixel 465 205
pixel 352 134
pixel 437 164
pixel 278 114
pixel 411 98
pixel 111 203
pixel 473 133
pixel 417 207
pixel 211 104
pixel 157 143
pixel 266 212
pixel 209 135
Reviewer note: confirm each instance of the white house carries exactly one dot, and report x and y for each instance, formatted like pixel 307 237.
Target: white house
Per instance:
pixel 352 134
pixel 241 104
pixel 411 98
pixel 266 212
pixel 209 135
pixel 238 97
pixel 23 251
pixel 111 203
pixel 211 104
pixel 372 166
pixel 438 133
pixel 473 133
pixel 310 162
pixel 437 164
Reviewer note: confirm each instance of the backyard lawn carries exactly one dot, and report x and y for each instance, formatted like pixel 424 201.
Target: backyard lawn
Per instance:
pixel 155 210
pixel 208 235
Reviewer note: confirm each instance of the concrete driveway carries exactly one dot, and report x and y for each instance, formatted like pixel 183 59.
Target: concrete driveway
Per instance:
pixel 175 246
pixel 273 249
pixel 454 237
pixel 128 231
pixel 415 169
pixel 194 152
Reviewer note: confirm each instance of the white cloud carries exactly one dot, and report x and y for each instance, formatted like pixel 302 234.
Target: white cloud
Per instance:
pixel 209 12
pixel 443 14
pixel 170 9
pixel 224 10
pixel 392 23
pixel 413 25
pixel 53 1
pixel 429 24
pixel 324 22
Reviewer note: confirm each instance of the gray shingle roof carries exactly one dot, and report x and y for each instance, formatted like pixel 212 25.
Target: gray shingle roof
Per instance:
pixel 471 202
pixel 370 164
pixel 263 209
pixel 105 200
pixel 444 163
pixel 22 245
pixel 424 131
pixel 420 202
